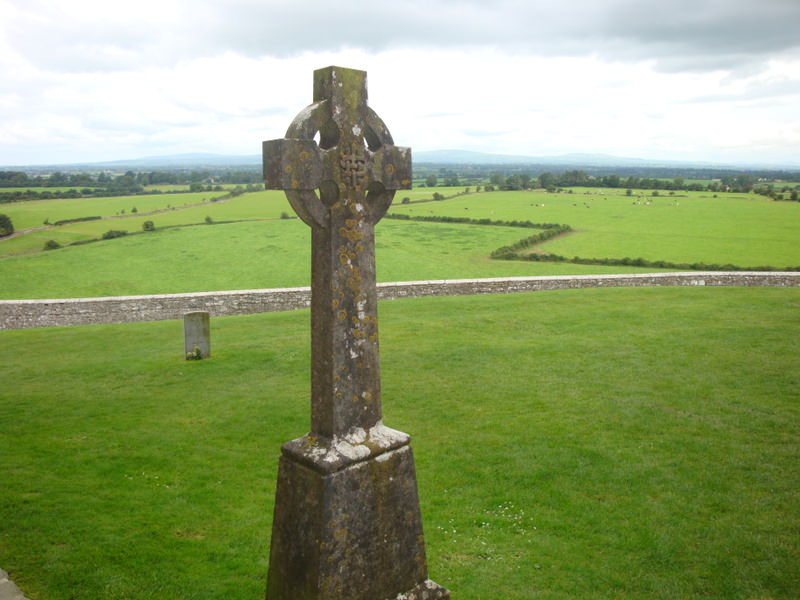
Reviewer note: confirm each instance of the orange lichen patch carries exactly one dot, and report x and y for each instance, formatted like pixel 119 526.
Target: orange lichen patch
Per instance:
pixel 345 255
pixel 352 235
pixel 354 280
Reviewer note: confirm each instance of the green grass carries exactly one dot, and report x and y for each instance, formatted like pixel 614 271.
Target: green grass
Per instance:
pixel 732 228
pixel 735 229
pixel 587 444
pixel 32 213
pixel 253 206
pixel 251 255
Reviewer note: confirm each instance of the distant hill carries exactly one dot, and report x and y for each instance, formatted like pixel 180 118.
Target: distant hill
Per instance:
pixel 575 160
pixel 206 161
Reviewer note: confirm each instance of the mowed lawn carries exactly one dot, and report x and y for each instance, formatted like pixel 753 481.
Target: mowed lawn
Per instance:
pixel 743 230
pixel 584 444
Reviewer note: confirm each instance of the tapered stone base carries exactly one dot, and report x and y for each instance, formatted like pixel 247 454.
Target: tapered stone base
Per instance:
pixel 354 533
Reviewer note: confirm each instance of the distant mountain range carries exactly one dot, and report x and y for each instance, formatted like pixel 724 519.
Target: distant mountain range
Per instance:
pixel 465 157
pixel 200 161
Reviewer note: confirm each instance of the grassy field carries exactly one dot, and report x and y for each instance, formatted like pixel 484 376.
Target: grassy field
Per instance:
pixel 739 229
pixel 182 211
pixel 587 444
pixel 273 252
pixel 33 213
pixel 252 255
pixel 178 207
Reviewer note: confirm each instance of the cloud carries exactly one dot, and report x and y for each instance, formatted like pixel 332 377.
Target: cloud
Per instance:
pixel 680 35
pixel 96 80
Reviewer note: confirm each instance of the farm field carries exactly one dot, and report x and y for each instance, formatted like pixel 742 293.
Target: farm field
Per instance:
pixel 251 255
pixel 746 231
pixel 268 204
pixel 274 252
pixel 32 213
pixel 253 206
pixel 587 444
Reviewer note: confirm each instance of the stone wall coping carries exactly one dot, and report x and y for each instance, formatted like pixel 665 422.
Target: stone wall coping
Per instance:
pixel 62 312
pixel 422 282
pixel 156 296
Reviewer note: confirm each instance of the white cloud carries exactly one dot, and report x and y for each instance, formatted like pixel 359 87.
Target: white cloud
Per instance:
pixel 708 80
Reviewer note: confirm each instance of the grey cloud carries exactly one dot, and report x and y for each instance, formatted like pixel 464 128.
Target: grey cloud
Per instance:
pixel 695 35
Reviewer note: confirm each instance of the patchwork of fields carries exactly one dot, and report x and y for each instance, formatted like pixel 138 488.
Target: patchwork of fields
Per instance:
pixel 248 245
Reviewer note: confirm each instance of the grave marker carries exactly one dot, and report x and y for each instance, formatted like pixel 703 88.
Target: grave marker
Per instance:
pixel 347 523
pixel 196 335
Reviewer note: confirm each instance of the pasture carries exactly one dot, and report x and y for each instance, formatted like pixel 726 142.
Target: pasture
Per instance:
pixel 186 254
pixel 744 230
pixel 592 444
pixel 255 254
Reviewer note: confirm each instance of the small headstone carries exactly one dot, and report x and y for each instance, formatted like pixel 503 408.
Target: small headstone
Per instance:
pixel 196 335
pixel 347 523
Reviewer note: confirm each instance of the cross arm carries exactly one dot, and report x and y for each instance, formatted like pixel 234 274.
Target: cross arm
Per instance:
pixel 391 167
pixel 292 165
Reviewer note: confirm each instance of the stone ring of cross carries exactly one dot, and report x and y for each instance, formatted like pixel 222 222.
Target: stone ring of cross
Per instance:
pixel 355 166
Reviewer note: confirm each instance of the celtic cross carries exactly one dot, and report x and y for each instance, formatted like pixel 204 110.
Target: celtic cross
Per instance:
pixel 356 169
pixel 347 523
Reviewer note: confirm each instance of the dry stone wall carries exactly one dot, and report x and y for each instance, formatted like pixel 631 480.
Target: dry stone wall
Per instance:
pixel 20 314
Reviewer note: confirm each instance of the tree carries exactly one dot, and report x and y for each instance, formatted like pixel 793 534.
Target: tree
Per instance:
pixel 547 180
pixel 430 181
pixel 6 226
pixel 148 226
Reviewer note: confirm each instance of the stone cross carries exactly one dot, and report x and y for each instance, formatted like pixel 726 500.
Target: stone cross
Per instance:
pixel 347 523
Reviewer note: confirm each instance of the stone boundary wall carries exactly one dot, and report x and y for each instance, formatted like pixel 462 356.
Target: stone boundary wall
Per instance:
pixel 21 314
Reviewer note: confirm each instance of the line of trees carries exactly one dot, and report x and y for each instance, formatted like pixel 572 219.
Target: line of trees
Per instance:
pixel 104 184
pixel 742 182
pixel 129 179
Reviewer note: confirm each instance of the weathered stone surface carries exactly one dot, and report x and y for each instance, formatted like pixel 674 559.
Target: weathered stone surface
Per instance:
pixel 9 591
pixel 197 334
pixel 355 533
pixel 347 524
pixel 22 314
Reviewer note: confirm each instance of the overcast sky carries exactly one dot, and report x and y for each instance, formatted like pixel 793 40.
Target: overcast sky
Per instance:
pixel 709 80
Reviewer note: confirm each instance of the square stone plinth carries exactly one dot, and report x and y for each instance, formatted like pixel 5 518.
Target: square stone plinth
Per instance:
pixel 354 534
